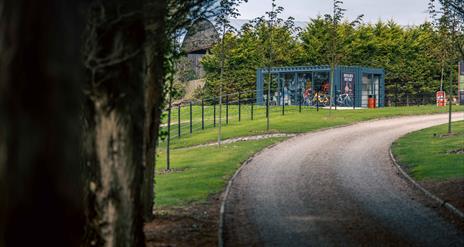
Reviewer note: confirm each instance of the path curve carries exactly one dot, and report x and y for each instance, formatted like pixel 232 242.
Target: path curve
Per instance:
pixel 335 187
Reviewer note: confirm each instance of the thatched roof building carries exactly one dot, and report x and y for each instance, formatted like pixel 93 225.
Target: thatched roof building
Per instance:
pixel 200 37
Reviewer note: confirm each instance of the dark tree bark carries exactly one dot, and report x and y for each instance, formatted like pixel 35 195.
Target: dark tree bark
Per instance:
pixel 40 182
pixel 155 53
pixel 114 123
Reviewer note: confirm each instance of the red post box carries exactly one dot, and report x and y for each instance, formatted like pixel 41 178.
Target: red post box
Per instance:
pixel 441 98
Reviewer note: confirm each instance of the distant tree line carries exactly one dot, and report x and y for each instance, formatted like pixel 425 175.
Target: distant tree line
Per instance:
pixel 413 56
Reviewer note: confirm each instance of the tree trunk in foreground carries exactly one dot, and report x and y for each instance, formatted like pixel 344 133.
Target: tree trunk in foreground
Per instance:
pixel 40 182
pixel 154 83
pixel 114 125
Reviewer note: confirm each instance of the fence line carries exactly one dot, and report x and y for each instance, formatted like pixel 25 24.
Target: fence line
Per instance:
pixel 188 117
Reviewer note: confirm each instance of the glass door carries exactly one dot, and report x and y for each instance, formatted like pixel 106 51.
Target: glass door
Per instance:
pixel 366 89
pixel 376 89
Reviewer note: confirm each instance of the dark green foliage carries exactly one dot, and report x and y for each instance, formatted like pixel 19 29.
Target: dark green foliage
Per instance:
pixel 184 71
pixel 412 56
pixel 247 50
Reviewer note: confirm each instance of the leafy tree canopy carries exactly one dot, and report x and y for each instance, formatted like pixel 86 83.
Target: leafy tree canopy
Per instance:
pixel 413 56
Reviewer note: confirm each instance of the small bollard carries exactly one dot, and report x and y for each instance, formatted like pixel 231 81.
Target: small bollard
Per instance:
pixel 227 109
pixel 191 125
pixel 178 121
pixel 239 108
pixel 214 112
pixel 202 114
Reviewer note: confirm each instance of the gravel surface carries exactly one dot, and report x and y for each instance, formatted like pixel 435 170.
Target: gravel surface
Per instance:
pixel 243 139
pixel 335 187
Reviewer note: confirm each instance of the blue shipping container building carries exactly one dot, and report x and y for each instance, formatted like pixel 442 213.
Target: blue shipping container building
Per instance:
pixel 310 85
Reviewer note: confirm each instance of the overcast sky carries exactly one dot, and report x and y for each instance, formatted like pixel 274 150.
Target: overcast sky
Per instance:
pixel 405 12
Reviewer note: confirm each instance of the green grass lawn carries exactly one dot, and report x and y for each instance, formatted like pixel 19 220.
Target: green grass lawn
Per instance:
pixel 201 172
pixel 426 153
pixel 292 122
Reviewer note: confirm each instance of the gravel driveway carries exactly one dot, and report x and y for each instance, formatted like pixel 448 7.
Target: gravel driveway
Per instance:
pixel 335 188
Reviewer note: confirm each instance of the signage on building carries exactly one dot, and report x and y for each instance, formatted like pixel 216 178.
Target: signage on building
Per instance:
pixel 348 84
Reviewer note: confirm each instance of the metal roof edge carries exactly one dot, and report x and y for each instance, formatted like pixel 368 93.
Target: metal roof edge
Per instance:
pixel 316 67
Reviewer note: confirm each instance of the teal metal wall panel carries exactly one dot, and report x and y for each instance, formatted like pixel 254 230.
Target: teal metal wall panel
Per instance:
pixel 357 71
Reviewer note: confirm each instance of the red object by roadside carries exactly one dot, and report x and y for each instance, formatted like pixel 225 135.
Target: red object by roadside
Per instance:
pixel 441 98
pixel 371 103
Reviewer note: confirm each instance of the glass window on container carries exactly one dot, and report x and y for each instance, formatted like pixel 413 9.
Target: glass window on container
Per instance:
pixel 274 87
pixel 322 82
pixel 366 88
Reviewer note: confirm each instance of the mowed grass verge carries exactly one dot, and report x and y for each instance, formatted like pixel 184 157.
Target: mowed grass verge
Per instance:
pixel 296 122
pixel 431 154
pixel 201 172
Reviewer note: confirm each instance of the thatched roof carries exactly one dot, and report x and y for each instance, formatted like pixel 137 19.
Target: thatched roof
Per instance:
pixel 201 36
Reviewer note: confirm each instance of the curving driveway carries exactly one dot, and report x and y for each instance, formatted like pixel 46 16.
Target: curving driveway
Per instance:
pixel 335 188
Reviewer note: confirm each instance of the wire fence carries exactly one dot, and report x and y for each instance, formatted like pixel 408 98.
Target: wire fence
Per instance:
pixel 188 117
pixel 410 100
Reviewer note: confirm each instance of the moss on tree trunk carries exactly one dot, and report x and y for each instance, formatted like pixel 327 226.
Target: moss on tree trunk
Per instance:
pixel 155 53
pixel 114 58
